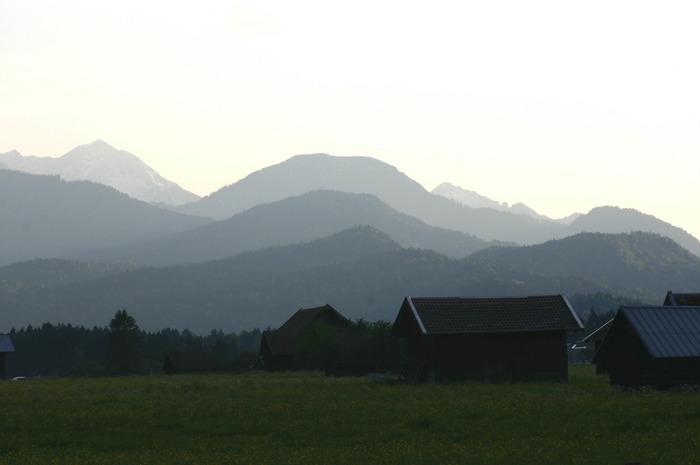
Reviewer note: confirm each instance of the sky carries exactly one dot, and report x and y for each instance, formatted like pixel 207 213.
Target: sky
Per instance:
pixel 563 106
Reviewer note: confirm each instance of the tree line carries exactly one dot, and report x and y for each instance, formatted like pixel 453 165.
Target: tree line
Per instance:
pixel 119 348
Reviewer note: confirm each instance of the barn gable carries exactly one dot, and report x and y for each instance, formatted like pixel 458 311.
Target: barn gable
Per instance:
pixel 516 339
pixel 654 346
pixel 279 348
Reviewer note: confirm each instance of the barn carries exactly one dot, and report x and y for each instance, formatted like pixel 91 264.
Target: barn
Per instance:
pixel 511 339
pixel 6 347
pixel 652 346
pixel 279 348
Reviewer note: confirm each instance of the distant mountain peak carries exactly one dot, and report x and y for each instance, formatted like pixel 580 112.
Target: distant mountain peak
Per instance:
pixel 101 163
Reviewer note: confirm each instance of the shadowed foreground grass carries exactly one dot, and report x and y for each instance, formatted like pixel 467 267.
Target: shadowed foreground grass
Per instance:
pixel 308 418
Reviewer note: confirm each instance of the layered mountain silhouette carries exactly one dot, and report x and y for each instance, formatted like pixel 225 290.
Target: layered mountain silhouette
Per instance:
pixel 360 271
pixel 306 173
pixel 293 220
pixel 100 162
pixel 47 217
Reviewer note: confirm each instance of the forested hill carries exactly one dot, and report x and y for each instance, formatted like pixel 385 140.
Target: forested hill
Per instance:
pixel 361 272
pixel 634 260
pixel 46 217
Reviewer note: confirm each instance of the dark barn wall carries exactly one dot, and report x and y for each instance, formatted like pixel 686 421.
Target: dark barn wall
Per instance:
pixel 623 354
pixel 513 357
pixel 2 365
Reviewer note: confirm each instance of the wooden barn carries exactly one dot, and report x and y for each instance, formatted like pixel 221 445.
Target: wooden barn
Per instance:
pixel 652 346
pixel 177 362
pixel 279 348
pixel 486 339
pixel 687 299
pixel 6 347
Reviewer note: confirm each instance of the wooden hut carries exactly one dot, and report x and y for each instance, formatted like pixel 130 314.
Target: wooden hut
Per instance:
pixel 6 347
pixel 652 346
pixel 279 348
pixel 486 339
pixel 177 362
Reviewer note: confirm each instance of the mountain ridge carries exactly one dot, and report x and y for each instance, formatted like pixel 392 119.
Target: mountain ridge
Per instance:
pixel 261 288
pixel 100 162
pixel 48 217
pixel 292 220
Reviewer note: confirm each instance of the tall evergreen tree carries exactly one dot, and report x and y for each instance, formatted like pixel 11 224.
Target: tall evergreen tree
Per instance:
pixel 124 345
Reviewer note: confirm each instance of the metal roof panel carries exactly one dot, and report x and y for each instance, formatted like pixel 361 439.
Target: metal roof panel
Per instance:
pixel 668 331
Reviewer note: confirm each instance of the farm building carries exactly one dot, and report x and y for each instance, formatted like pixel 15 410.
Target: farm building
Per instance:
pixel 190 362
pixel 6 347
pixel 652 346
pixel 486 339
pixel 689 299
pixel 279 348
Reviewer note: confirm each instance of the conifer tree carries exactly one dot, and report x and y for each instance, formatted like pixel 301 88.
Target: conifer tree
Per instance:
pixel 124 345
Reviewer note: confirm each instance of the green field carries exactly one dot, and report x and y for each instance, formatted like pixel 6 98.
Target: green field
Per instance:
pixel 309 418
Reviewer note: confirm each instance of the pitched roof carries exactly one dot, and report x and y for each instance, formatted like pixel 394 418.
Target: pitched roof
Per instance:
pixel 673 299
pixel 304 317
pixel 666 331
pixel 285 340
pixel 6 344
pixel 443 315
pixel 193 360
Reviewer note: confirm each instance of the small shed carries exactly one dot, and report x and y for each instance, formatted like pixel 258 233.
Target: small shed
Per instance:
pixel 486 339
pixel 6 347
pixel 652 346
pixel 685 299
pixel 279 348
pixel 177 362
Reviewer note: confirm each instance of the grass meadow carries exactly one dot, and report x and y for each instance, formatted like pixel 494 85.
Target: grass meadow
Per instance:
pixel 311 419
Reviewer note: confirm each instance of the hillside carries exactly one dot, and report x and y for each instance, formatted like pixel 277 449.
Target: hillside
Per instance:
pixel 101 163
pixel 633 261
pixel 624 220
pixel 294 220
pixel 47 217
pixel 361 272
pixel 305 173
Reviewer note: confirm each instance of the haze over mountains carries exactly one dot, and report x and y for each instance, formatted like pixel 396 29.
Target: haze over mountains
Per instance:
pixel 350 231
pixel 360 271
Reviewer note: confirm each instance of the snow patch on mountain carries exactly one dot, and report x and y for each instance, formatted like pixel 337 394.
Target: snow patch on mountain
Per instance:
pixel 101 163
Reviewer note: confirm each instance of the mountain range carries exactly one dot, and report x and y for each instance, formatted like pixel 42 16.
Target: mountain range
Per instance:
pixel 305 173
pixel 360 271
pixel 350 231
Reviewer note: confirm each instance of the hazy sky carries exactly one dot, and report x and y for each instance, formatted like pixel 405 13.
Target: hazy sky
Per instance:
pixel 561 105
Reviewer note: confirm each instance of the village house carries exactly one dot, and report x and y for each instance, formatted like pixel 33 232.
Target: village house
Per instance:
pixel 279 348
pixel 652 346
pixel 486 339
